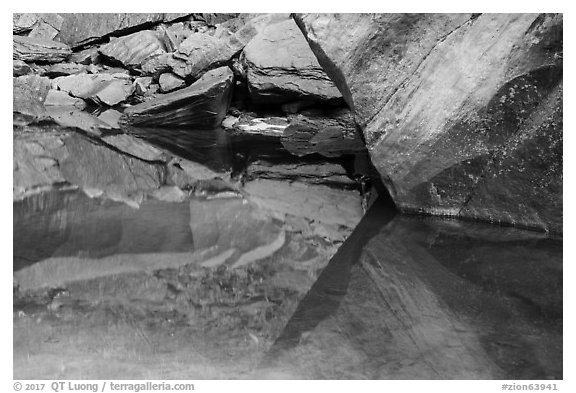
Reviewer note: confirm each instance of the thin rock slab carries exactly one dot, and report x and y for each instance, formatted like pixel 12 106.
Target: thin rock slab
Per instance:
pixel 37 49
pixel 61 98
pixel 104 88
pixel 64 69
pixel 202 104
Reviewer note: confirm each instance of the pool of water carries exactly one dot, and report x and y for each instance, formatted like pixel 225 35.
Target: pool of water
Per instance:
pixel 403 298
pixel 106 290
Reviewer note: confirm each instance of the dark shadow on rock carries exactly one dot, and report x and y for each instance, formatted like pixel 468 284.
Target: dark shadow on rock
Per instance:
pixel 325 296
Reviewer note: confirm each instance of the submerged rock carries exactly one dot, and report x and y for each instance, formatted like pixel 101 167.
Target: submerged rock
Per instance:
pixel 282 68
pixel 37 49
pixel 202 104
pixel 235 225
pixel 330 174
pixel 455 108
pixel 330 133
pixel 314 202
pixel 46 160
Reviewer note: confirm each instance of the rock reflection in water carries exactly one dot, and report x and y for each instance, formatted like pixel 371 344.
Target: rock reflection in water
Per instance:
pixel 409 298
pixel 403 298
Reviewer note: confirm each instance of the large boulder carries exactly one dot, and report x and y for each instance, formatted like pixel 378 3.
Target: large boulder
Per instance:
pixel 462 113
pixel 282 68
pixel 201 105
pixel 37 49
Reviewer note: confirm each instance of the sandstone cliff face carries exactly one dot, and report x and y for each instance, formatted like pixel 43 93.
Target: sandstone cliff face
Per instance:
pixel 462 114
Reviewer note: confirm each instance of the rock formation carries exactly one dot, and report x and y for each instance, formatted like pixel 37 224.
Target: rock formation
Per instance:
pixel 461 113
pixel 281 68
pixel 203 104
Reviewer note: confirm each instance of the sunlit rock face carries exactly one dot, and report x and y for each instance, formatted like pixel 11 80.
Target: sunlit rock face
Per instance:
pixel 462 113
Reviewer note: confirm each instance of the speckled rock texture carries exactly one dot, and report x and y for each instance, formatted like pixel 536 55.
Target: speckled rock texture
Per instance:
pixel 462 113
pixel 282 68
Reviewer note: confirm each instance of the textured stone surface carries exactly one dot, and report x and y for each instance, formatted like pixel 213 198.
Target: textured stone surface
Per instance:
pixel 20 68
pixel 168 82
pixel 61 98
pixel 282 68
pixel 80 29
pixel 455 107
pixel 103 88
pixel 330 174
pixel 37 49
pixel 37 25
pixel 315 202
pixel 199 52
pixel 49 159
pixel 28 95
pixel 202 104
pixel 134 49
pixel 64 69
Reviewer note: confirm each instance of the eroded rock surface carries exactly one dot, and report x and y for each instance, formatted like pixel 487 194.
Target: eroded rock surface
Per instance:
pixel 448 105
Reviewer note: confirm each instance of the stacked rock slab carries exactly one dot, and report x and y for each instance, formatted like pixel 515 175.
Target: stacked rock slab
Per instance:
pixel 462 114
pixel 282 68
pixel 37 49
pixel 201 105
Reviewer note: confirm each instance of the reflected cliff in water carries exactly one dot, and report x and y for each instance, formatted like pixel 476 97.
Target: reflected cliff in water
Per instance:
pixel 413 298
pixel 403 298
